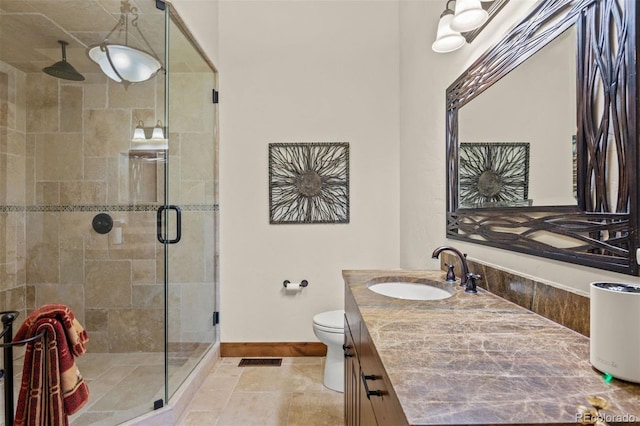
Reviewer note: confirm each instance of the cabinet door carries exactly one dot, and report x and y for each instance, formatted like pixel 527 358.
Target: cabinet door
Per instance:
pixel 382 397
pixel 367 415
pixel 351 378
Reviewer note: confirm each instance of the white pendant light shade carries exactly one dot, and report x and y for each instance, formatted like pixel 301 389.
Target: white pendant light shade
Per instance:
pixel 124 63
pixel 447 40
pixel 469 15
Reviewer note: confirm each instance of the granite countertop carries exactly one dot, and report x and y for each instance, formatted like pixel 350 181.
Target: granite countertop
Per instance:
pixel 480 359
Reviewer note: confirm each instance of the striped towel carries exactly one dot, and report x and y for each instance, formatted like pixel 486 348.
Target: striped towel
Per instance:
pixel 52 387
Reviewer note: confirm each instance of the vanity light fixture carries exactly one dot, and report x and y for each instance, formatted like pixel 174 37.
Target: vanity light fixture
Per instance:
pixel 138 133
pixel 121 62
pixel 461 23
pixel 469 15
pixel 158 142
pixel 447 40
pixel 158 132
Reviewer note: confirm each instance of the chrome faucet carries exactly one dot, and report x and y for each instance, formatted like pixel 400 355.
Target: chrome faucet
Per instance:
pixel 465 279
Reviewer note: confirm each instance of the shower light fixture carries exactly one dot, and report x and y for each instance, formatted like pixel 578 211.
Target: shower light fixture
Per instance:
pixel 121 62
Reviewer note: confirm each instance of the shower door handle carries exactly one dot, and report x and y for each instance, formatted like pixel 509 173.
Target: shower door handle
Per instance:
pixel 178 224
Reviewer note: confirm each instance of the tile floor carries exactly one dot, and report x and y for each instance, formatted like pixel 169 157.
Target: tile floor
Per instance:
pixel 289 395
pixel 123 386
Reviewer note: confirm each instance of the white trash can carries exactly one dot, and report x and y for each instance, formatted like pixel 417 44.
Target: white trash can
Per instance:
pixel 615 330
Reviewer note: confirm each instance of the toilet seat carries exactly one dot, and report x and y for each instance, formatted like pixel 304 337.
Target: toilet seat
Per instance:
pixel 330 322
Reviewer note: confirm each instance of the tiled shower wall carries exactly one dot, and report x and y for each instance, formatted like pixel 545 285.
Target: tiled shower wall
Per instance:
pixel 13 151
pixel 64 152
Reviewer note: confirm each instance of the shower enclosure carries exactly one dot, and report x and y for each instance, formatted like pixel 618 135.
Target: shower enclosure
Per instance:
pixel 120 228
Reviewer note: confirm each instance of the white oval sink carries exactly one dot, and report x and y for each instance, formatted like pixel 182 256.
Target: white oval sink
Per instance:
pixel 410 291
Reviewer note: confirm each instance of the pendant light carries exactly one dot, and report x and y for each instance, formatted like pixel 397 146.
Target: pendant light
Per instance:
pixel 121 62
pixel 468 16
pixel 447 40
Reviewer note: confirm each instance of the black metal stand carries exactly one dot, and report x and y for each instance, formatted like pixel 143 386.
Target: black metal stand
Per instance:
pixel 7 334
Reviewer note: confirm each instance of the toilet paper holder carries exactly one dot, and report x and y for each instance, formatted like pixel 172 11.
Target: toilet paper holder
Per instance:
pixel 303 283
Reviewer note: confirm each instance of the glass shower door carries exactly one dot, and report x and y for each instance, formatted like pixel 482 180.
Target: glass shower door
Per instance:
pixel 192 175
pixel 66 157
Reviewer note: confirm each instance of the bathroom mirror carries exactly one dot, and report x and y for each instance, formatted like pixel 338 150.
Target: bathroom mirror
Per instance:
pixel 542 138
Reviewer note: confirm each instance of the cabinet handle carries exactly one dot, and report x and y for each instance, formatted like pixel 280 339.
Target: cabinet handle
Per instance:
pixel 346 346
pixel 368 392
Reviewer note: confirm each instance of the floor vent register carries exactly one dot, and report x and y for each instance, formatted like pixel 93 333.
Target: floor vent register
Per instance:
pixel 260 362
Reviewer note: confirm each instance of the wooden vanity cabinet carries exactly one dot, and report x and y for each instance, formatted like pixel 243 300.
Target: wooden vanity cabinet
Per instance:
pixel 369 398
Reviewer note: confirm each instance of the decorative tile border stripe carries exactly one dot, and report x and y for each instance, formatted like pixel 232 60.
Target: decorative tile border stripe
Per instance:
pixel 107 208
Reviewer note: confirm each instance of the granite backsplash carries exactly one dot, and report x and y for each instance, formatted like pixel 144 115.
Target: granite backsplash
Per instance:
pixel 559 305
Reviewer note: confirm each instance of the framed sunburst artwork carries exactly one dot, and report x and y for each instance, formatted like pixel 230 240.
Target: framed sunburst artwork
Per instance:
pixel 309 182
pixel 493 174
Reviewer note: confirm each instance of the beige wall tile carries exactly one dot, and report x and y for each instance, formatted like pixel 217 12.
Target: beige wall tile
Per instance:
pixel 74 193
pixel 136 330
pixel 59 157
pixel 42 98
pixel 140 95
pixel 95 168
pixel 71 108
pixel 14 299
pixel 188 98
pixel 107 132
pixel 48 193
pixel 108 284
pixel 144 271
pixel 71 267
pixel 42 264
pixel 70 295
pixel 192 192
pixel 16 143
pixel 95 95
pixel 147 296
pixel 196 309
pixel 187 258
pixel 96 320
pixel 4 98
pixel 197 155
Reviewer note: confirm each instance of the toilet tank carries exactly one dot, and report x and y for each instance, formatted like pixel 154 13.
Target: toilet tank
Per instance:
pixel 615 329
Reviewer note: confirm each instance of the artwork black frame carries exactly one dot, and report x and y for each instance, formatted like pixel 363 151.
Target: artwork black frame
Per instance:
pixel 309 182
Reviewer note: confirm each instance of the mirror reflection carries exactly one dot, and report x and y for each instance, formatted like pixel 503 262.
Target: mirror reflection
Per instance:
pixel 541 138
pixel 517 139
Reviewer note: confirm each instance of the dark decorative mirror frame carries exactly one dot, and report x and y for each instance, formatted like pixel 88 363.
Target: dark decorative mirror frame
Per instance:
pixel 594 233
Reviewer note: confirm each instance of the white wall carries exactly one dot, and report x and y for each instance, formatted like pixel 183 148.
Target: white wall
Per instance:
pixel 304 71
pixel 424 78
pixel 201 17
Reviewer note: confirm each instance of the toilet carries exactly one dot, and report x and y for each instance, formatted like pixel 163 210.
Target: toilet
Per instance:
pixel 329 328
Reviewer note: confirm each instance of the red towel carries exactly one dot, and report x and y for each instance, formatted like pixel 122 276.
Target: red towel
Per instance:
pixel 52 387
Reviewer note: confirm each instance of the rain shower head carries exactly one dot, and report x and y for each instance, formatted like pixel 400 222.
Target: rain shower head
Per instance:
pixel 63 69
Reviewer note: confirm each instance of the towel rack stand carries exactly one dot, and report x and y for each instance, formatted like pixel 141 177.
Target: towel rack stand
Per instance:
pixel 8 317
